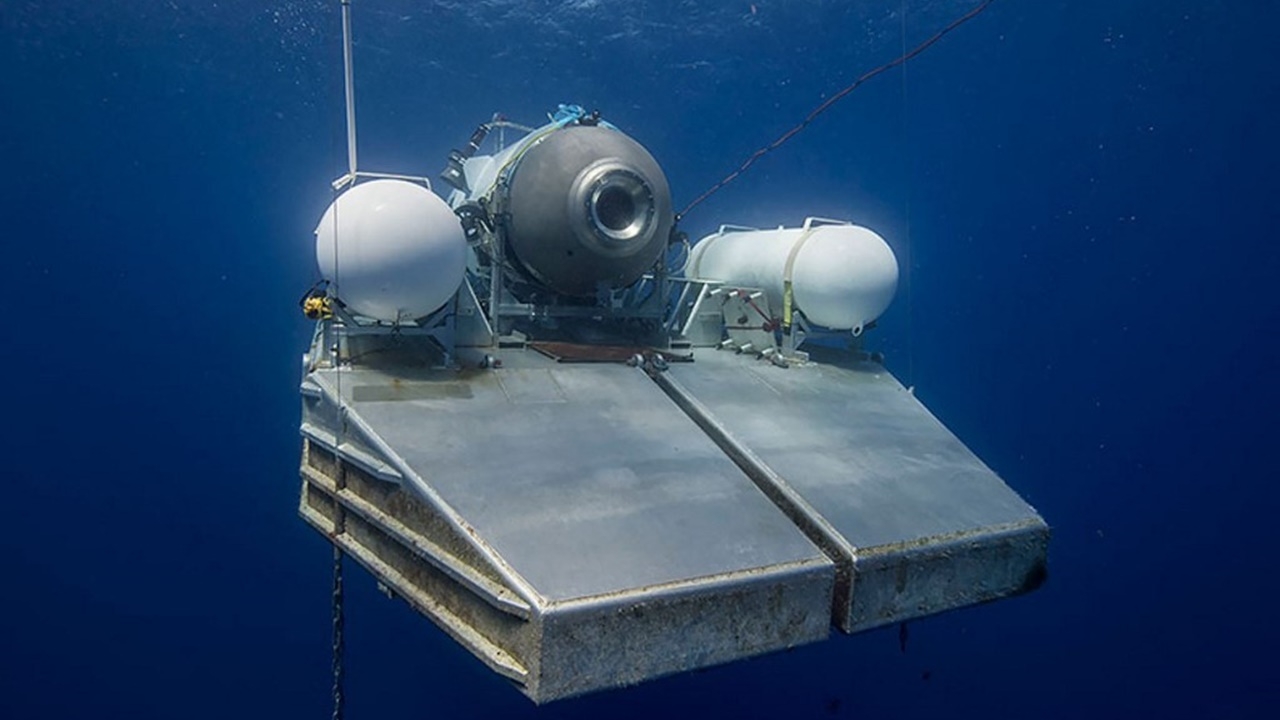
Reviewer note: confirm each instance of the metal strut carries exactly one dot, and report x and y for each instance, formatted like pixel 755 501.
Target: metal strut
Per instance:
pixel 348 76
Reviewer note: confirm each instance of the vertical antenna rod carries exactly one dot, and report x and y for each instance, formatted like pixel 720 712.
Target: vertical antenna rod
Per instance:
pixel 349 76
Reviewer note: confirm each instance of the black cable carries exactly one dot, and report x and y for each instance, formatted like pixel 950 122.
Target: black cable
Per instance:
pixel 831 101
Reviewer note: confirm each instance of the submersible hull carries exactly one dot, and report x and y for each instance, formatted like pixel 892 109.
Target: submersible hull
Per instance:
pixel 592 473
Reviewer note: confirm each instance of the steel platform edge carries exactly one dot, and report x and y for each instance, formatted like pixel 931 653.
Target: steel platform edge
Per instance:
pixel 556 624
pixel 585 527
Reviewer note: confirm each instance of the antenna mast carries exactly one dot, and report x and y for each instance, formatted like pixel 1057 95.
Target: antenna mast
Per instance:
pixel 349 78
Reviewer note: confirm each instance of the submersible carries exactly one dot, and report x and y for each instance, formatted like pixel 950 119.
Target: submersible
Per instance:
pixel 594 455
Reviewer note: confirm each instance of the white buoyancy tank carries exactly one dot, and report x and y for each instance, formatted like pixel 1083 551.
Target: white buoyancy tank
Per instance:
pixel 392 250
pixel 842 276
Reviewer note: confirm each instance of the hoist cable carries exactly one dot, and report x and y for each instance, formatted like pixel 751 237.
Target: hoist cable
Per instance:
pixel 910 249
pixel 338 628
pixel 813 115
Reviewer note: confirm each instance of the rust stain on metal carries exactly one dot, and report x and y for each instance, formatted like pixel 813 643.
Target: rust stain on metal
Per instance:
pixel 565 352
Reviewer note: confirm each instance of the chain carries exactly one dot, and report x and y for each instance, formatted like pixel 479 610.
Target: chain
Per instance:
pixel 338 642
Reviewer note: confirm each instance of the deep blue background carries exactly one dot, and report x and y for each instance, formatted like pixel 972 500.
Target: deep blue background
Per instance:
pixel 1091 305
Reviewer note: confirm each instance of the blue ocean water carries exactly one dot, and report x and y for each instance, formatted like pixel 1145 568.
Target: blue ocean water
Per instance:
pixel 1084 193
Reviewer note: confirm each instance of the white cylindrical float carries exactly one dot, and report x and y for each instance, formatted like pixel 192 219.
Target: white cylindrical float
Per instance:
pixel 391 249
pixel 841 276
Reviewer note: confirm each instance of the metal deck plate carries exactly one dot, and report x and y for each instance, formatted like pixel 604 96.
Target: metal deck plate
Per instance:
pixel 587 480
pixel 640 547
pixel 918 522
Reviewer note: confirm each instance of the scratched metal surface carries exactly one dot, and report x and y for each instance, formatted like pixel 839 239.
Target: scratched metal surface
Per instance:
pixel 914 521
pixel 859 448
pixel 586 479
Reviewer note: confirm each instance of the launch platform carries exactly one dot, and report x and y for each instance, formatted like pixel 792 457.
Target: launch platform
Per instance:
pixel 581 526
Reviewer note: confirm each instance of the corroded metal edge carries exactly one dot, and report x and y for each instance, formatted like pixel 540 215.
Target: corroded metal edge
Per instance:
pixel 930 575
pixel 446 521
pixel 622 639
pixel 881 585
pixel 558 650
pixel 489 620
